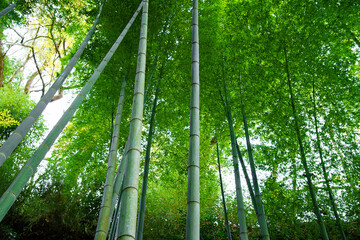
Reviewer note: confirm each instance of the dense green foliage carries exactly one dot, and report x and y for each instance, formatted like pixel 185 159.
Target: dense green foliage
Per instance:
pixel 259 43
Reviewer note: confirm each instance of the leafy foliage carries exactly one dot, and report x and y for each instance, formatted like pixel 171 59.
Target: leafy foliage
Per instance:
pixel 239 41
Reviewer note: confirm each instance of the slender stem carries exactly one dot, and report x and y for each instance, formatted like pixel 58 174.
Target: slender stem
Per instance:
pixel 239 196
pixel 141 215
pixel 228 232
pixel 105 209
pixel 251 191
pixel 318 145
pixel 259 204
pixel 302 154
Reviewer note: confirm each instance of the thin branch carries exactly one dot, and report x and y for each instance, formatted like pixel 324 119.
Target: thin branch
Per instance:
pixel 37 67
pixel 52 36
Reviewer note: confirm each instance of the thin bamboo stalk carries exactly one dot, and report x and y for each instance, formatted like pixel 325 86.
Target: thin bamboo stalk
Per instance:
pixel 103 222
pixel 302 153
pixel 261 212
pixel 251 191
pixel 141 215
pixel 327 182
pixel 228 232
pixel 239 196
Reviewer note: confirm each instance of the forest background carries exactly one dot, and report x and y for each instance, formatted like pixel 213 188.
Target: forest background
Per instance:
pixel 255 49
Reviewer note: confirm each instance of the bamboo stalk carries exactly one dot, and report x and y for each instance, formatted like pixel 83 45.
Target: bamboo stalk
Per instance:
pixel 128 207
pixel 103 222
pixel 302 154
pixel 193 197
pixel 228 232
pixel 259 204
pixel 141 215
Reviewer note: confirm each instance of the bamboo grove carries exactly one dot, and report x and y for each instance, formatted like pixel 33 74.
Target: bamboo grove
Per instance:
pixel 268 147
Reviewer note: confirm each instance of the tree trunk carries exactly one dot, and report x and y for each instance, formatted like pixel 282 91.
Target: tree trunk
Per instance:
pixel 8 147
pixel 193 196
pixel 259 204
pixel 302 154
pixel 128 207
pixel 141 215
pixel 318 145
pixel 105 213
pixel 228 232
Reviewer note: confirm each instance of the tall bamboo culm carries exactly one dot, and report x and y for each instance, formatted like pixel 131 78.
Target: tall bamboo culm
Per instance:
pixel 116 197
pixel 320 221
pixel 228 232
pixel 141 215
pixel 11 143
pixel 260 208
pixel 103 222
pixel 239 196
pixel 327 182
pixel 251 191
pixel 129 198
pixel 193 197
pixel 7 9
pixel 10 195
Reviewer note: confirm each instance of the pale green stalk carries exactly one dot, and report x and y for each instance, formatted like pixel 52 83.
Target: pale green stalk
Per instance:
pixel 261 212
pixel 239 196
pixel 13 141
pixel 129 199
pixel 28 170
pixel 7 9
pixel 327 182
pixel 228 232
pixel 141 215
pixel 103 222
pixel 115 222
pixel 252 195
pixel 193 197
pixel 116 197
pixel 320 221
pixel 119 180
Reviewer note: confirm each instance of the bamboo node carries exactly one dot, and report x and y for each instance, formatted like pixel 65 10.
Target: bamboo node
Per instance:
pixel 125 235
pixel 193 165
pixel 17 134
